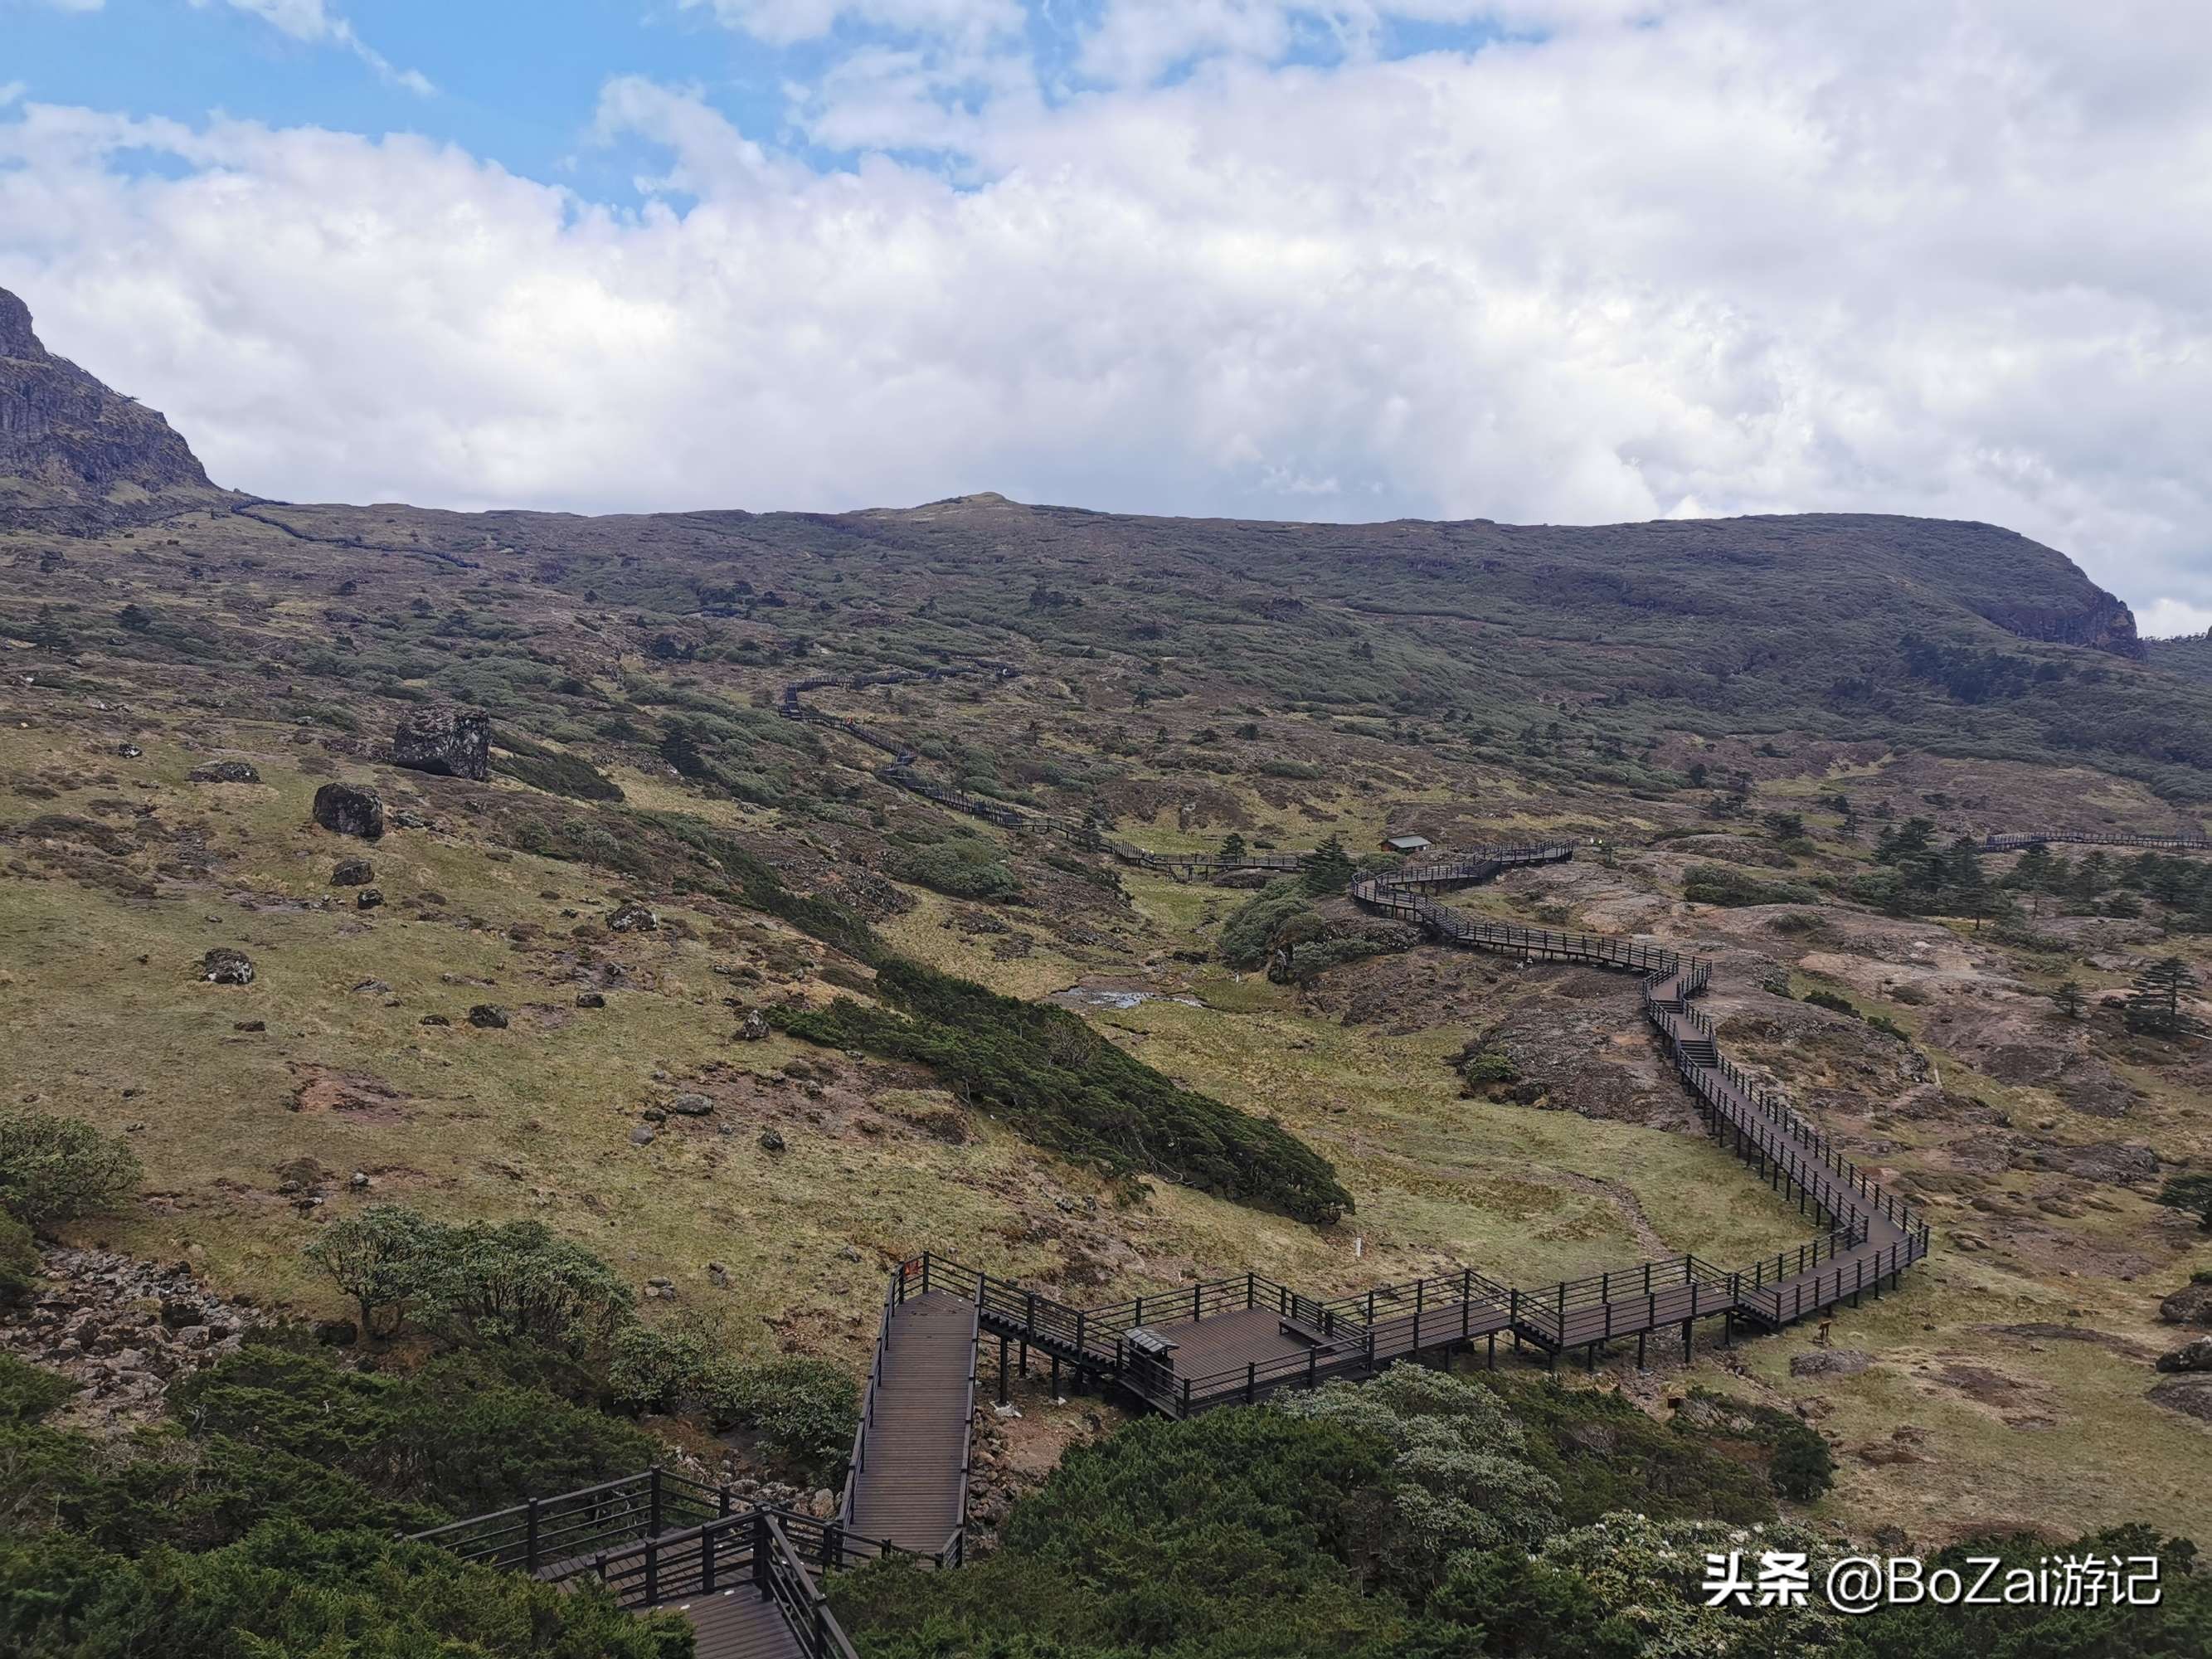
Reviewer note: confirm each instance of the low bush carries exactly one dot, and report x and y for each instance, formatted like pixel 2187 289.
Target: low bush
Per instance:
pixel 474 1284
pixel 54 1169
pixel 19 1261
pixel 960 866
pixel 1727 885
pixel 28 1392
pixel 451 1436
pixel 286 1589
pixel 1062 1085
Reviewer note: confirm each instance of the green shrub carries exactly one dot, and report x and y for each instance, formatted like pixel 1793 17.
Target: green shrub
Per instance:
pixel 1490 1066
pixel 1231 1533
pixel 57 1169
pixel 29 1392
pixel 1604 1455
pixel 651 1370
pixel 1802 1466
pixel 1249 935
pixel 1726 883
pixel 558 772
pixel 1464 1481
pixel 1065 1087
pixel 19 1261
pixel 517 1282
pixel 1834 1003
pixel 450 1436
pixel 960 866
pixel 375 1258
pixel 284 1590
pixel 803 1410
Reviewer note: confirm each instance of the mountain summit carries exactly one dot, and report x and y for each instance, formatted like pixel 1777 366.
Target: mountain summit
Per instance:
pixel 73 452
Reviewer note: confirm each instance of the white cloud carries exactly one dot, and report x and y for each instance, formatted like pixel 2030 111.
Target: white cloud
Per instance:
pixel 2165 619
pixel 783 21
pixel 1879 258
pixel 317 24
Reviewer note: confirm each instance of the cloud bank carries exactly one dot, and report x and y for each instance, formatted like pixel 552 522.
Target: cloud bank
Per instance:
pixel 1623 261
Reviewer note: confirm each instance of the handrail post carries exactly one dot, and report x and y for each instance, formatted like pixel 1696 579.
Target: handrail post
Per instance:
pixel 653 1504
pixel 530 1550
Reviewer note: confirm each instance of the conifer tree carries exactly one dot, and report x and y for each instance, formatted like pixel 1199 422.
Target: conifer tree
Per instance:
pixel 2155 1002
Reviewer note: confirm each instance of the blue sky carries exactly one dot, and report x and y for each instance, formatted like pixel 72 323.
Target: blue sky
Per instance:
pixel 518 84
pixel 1529 260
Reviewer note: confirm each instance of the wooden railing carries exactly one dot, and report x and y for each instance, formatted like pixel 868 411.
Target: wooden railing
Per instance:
pixel 2013 842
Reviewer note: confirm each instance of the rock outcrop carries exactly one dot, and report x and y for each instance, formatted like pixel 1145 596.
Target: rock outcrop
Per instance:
pixel 451 742
pixel 74 454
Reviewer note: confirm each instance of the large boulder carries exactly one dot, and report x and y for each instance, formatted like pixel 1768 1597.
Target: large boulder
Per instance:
pixel 224 966
pixel 2189 1357
pixel 2190 1305
pixel 445 740
pixel 353 872
pixel 345 810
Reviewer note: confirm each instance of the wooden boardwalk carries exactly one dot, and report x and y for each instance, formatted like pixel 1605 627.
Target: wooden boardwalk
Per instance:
pixel 746 1575
pixel 738 1623
pixel 908 1484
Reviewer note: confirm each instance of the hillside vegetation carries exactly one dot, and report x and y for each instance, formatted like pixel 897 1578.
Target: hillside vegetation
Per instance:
pixel 686 1006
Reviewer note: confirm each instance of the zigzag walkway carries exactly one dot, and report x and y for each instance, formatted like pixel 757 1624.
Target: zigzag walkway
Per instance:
pixel 1238 1340
pixel 745 1575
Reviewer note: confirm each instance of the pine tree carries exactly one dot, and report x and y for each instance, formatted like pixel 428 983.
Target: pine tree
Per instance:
pixel 1329 868
pixel 1233 847
pixel 2031 875
pixel 2154 1006
pixel 2069 1001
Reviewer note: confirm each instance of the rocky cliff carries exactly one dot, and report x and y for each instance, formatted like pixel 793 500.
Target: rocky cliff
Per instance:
pixel 74 454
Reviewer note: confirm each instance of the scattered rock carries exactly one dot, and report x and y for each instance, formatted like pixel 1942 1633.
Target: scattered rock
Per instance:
pixel 2189 1357
pixel 224 966
pixel 755 1028
pixel 632 919
pixel 771 1140
pixel 488 1017
pixel 1830 1362
pixel 353 872
pixel 2190 1305
pixel 225 772
pixel 2189 1395
pixel 590 999
pixel 436 1020
pixel 344 810
pixel 653 1115
pixel 369 898
pixel 691 1105
pixel 250 1025
pixel 642 1135
pixel 373 985
pixel 359 1181
pixel 448 741
pixel 123 1330
pixel 129 751
pixel 336 1333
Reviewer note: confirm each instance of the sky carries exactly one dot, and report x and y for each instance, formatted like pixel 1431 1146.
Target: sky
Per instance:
pixel 1566 261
